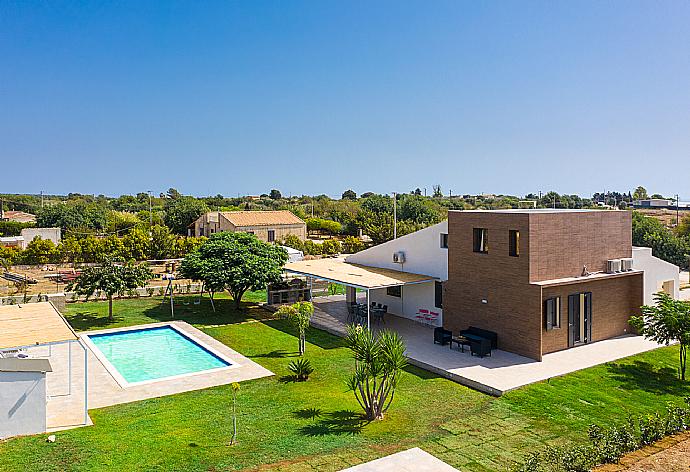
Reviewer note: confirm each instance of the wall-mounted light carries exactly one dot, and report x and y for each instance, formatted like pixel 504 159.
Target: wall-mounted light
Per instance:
pixel 485 301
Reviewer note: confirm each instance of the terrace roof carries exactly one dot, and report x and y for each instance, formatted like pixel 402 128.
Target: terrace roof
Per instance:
pixel 33 324
pixel 355 275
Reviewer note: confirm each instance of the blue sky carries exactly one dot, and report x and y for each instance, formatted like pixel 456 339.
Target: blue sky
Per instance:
pixel 317 97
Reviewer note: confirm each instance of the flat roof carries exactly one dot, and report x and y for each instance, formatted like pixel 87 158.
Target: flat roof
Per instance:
pixel 15 364
pixel 355 275
pixel 537 210
pixel 32 324
pixel 588 278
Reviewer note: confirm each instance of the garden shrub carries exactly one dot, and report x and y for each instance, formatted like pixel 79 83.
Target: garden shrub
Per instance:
pixel 331 247
pixel 352 244
pixel 608 445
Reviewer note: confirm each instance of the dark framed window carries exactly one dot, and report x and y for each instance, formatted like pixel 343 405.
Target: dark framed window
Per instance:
pixel 480 240
pixel 394 291
pixel 438 294
pixel 271 235
pixel 552 313
pixel 514 243
pixel 444 241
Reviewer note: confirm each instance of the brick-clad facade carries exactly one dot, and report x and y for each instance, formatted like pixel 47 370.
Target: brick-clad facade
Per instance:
pixel 505 294
pixel 613 301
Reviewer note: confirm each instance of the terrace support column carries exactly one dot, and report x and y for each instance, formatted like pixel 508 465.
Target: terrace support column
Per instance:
pixel 86 384
pixel 368 311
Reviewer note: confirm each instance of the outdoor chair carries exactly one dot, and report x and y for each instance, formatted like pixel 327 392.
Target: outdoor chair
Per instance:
pixel 480 347
pixel 442 336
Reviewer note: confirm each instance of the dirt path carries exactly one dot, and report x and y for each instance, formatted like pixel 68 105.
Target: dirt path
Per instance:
pixel 668 455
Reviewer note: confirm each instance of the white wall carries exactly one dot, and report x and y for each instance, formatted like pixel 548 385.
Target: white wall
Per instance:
pixel 413 298
pixel 423 253
pixel 22 403
pixel 656 272
pixel 54 234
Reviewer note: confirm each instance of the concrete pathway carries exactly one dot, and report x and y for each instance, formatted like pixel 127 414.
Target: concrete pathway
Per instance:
pixel 502 372
pixel 67 410
pixel 412 460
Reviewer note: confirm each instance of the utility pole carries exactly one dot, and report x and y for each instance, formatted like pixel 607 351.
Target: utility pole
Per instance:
pixel 2 209
pixel 677 214
pixel 150 214
pixel 395 216
pixel 41 198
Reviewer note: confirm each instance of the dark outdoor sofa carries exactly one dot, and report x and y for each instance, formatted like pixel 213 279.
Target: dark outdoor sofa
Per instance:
pixel 483 333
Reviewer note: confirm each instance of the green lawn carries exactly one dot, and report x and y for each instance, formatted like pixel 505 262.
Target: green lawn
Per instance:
pixel 315 425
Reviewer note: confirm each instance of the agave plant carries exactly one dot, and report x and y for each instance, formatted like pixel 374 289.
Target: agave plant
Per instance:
pixel 302 369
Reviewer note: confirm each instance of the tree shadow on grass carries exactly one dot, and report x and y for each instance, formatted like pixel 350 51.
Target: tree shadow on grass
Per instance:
pixel 84 320
pixel 307 413
pixel 641 375
pixel 336 423
pixel 276 354
pixel 315 336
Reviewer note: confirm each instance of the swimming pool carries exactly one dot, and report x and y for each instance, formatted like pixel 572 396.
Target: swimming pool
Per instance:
pixel 143 355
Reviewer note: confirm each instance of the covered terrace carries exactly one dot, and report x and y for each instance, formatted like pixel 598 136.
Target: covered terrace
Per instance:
pixel 373 281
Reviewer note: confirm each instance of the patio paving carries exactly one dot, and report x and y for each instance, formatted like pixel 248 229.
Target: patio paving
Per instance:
pixel 495 375
pixel 411 460
pixel 66 411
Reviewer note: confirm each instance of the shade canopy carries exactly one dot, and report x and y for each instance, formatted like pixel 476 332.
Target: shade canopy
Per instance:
pixel 355 275
pixel 33 324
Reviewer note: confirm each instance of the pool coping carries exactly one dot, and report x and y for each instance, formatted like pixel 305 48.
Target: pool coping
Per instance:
pixel 123 383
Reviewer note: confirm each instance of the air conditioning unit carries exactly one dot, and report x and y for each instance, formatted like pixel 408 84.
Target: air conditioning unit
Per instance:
pixel 399 257
pixel 626 264
pixel 613 266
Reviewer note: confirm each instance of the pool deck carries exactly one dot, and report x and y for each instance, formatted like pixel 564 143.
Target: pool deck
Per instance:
pixel 66 411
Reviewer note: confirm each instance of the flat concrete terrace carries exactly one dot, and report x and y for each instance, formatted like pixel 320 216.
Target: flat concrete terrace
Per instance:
pixel 495 375
pixel 65 411
pixel 411 460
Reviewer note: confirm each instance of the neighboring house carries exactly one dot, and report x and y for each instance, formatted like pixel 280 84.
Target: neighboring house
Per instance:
pixel 268 226
pixel 17 216
pixel 540 278
pixel 660 203
pixel 28 235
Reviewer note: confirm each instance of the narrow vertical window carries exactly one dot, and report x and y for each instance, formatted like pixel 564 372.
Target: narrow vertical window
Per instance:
pixel 271 235
pixel 444 241
pixel 514 243
pixel 480 238
pixel 552 313
pixel 438 294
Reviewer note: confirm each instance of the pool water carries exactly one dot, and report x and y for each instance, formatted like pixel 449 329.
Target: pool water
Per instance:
pixel 146 354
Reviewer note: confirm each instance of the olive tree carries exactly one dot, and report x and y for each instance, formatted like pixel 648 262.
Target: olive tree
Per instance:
pixel 668 321
pixel 236 262
pixel 110 278
pixel 379 360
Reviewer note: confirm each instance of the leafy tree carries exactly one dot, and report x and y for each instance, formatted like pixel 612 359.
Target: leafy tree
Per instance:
pixel 377 204
pixel 416 209
pixel 379 360
pixel 39 251
pixel 657 195
pixel 437 191
pixel 275 195
pixel 136 245
pixel 70 249
pixel 111 279
pixel 352 244
pixel 640 193
pixel 331 247
pixel 668 321
pixel 182 211
pixel 235 262
pixel 162 242
pixel 299 314
pixel 650 232
pixel 293 241
pixel 320 224
pixel 68 216
pixel 349 195
pixel 187 244
pixel 91 249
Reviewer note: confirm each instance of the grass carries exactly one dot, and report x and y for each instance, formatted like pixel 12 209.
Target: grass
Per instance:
pixel 316 425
